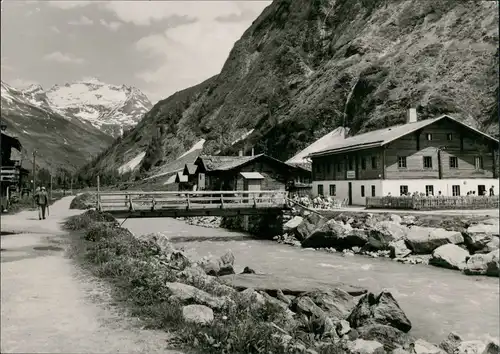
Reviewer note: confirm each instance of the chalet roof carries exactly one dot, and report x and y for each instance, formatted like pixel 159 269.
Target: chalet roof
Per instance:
pixel 225 163
pixel 251 175
pixel 384 136
pixel 190 169
pixel 180 178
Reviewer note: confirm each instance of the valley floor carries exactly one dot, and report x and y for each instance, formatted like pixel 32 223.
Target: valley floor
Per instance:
pixel 48 305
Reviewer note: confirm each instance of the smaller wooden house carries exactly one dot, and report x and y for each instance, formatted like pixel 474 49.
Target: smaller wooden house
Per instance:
pixel 258 172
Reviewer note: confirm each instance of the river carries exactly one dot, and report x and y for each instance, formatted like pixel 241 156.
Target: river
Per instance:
pixel 437 301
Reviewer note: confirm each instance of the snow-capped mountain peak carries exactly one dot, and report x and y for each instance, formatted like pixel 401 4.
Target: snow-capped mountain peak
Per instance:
pixel 110 108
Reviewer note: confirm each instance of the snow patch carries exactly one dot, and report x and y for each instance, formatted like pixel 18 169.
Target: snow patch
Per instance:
pixel 321 144
pixel 170 180
pixel 132 164
pixel 243 137
pixel 197 146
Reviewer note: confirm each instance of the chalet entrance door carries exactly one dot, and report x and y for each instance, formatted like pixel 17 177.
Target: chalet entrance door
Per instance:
pixel 481 189
pixel 349 192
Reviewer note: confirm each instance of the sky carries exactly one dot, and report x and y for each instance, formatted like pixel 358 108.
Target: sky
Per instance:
pixel 159 47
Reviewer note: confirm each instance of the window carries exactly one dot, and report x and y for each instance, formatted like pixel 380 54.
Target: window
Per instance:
pixel 427 161
pixel 453 162
pixel 363 163
pixel 362 191
pixel 402 161
pixel 449 136
pixel 428 136
pixel 320 189
pixel 373 191
pixel 455 190
pixel 333 190
pixel 350 164
pixel 429 190
pixel 478 162
pixel 374 162
pixel 403 190
pixel 339 167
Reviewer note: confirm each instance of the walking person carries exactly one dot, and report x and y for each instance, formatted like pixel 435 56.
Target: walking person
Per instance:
pixel 42 200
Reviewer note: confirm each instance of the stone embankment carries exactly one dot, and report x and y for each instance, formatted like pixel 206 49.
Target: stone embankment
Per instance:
pixel 352 319
pixel 468 245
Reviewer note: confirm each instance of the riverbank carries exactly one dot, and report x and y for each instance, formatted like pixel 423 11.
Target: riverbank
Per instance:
pixel 468 243
pixel 151 261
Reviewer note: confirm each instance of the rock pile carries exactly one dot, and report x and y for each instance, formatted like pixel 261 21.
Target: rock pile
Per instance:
pixel 203 221
pixel 368 323
pixel 473 249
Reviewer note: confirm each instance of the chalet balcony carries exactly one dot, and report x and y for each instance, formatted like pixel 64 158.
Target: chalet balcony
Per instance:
pixel 10 174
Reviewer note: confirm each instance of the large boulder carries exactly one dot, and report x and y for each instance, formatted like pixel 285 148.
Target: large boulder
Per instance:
pixel 483 264
pixel 389 336
pixel 482 238
pixel 424 240
pixel 309 223
pixel 492 348
pixel 361 346
pixel 336 303
pixel 292 224
pixel 381 309
pixel 451 343
pixel 449 256
pixel 198 314
pixel 188 293
pixel 471 347
pixel 423 347
pixel 385 232
pixel 337 235
pixel 305 305
pixel 398 249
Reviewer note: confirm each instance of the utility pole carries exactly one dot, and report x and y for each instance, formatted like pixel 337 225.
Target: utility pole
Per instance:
pixel 50 195
pixel 71 186
pixel 34 176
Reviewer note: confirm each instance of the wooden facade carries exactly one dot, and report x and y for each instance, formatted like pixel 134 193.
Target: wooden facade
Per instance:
pixel 230 172
pixel 440 150
pixel 435 156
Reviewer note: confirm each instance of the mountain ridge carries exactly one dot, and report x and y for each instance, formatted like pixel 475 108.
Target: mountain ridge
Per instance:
pixel 60 142
pixel 304 68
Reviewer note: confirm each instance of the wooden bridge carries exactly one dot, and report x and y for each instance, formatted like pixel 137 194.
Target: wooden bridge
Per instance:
pixel 143 204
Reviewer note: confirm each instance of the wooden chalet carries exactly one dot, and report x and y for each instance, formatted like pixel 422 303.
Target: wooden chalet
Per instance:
pixel 12 173
pixel 258 172
pixel 429 156
pixel 182 182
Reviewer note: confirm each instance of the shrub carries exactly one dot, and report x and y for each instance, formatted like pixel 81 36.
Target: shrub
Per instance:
pixel 85 220
pixel 82 201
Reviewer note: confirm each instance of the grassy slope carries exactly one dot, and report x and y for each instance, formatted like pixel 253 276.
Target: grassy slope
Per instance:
pixel 306 67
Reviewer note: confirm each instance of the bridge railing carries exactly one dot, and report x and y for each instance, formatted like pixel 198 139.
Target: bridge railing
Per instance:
pixel 142 200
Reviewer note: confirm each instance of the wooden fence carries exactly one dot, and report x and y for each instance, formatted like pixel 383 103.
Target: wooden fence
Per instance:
pixel 433 203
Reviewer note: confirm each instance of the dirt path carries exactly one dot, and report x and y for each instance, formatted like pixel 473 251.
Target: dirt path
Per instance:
pixel 50 306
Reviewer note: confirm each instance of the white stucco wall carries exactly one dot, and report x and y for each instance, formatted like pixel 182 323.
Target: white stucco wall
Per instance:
pixel 342 189
pixel 443 185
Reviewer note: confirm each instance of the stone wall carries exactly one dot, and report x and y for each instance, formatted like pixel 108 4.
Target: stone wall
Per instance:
pixel 264 226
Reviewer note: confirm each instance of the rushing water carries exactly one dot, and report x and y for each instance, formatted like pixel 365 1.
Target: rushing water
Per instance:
pixel 436 300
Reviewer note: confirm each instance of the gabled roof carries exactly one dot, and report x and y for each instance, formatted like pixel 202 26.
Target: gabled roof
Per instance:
pixel 180 178
pixel 189 169
pixel 224 163
pixel 381 137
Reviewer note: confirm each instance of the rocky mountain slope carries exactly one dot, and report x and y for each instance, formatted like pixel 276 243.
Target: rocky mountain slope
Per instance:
pixel 110 108
pixel 305 67
pixel 60 142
